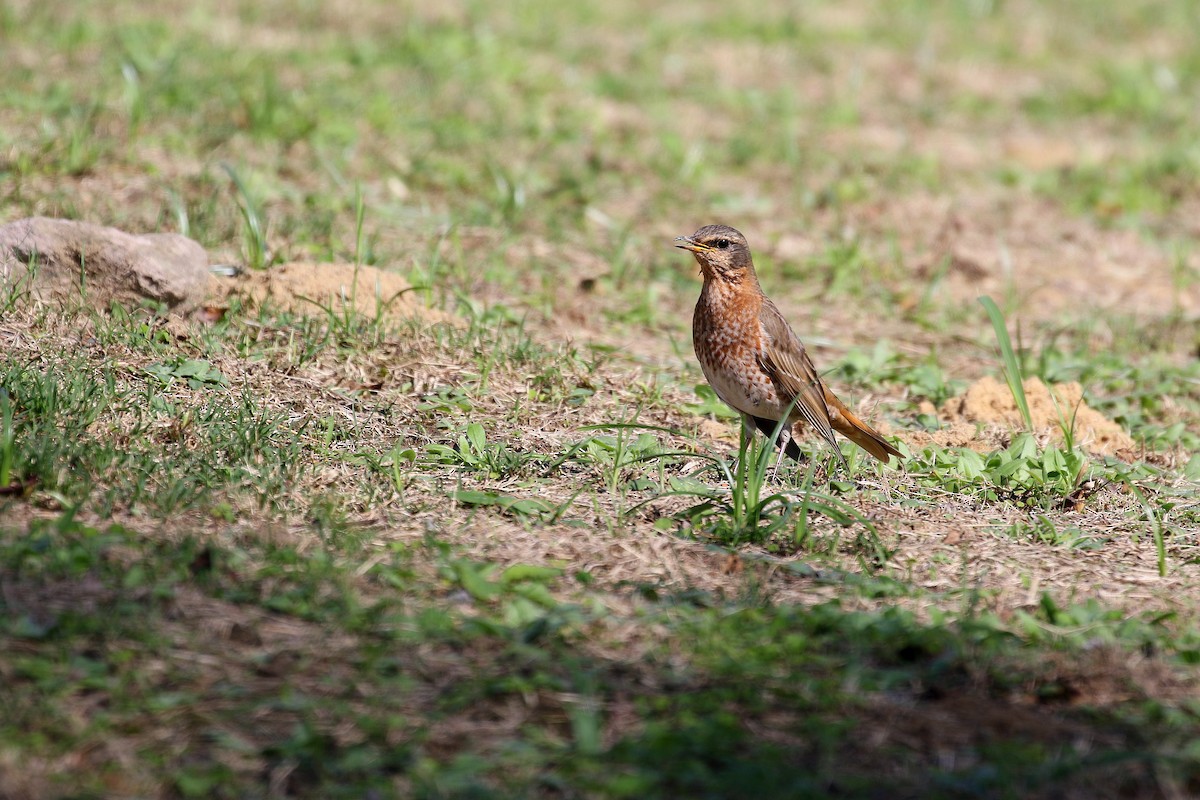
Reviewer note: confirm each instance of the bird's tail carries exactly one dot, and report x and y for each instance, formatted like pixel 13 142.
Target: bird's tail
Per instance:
pixel 847 424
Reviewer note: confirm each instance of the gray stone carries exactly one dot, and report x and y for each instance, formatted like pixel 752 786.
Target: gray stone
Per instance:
pixel 60 259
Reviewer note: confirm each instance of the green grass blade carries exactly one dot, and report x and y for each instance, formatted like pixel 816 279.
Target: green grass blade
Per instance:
pixel 7 447
pixel 1012 367
pixel 255 234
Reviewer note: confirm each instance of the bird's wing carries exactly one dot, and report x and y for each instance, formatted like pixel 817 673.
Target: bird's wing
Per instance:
pixel 784 359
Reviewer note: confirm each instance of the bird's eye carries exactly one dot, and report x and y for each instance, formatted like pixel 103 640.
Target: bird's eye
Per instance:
pixel 722 243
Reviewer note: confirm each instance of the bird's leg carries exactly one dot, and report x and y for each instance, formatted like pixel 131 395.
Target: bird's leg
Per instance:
pixel 780 445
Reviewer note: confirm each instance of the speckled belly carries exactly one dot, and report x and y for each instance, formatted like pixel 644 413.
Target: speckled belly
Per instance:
pixel 732 370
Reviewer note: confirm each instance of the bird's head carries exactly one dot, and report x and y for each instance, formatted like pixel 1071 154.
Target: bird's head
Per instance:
pixel 721 251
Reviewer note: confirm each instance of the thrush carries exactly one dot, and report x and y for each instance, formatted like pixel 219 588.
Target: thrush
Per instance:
pixel 751 357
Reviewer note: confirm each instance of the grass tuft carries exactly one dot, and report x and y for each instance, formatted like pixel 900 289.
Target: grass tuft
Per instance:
pixel 1012 366
pixel 254 235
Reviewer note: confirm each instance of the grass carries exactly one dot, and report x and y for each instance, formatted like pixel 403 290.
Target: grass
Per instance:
pixel 518 640
pixel 1012 367
pixel 257 252
pixel 516 550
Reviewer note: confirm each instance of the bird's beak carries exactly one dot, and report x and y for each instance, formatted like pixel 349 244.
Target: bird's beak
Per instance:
pixel 688 243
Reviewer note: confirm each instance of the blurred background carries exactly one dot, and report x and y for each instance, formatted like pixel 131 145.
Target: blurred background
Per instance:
pixel 898 159
pixel 339 555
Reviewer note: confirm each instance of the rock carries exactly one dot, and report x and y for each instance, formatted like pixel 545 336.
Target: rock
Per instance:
pixel 47 256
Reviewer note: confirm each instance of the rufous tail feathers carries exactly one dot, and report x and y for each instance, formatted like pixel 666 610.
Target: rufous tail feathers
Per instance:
pixel 847 424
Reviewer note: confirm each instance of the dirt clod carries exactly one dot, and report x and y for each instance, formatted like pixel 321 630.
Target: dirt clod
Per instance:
pixel 989 402
pixel 315 289
pixel 984 416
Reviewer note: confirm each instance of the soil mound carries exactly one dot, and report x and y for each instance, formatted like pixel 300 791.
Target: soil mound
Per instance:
pixel 981 417
pixel 314 289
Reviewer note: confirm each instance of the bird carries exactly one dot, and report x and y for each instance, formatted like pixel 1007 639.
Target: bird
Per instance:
pixel 754 361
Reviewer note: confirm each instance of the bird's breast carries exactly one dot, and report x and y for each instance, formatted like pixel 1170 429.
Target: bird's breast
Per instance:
pixel 728 339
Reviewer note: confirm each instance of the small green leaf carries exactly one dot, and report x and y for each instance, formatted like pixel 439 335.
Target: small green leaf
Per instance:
pixel 406 454
pixel 476 437
pixel 472 578
pixel 191 369
pixel 536 592
pixel 1008 468
pixel 197 373
pixel 134 577
pixel 472 498
pixel 524 507
pixel 528 572
pixel 1192 470
pixel 970 463
pixel 521 611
